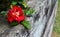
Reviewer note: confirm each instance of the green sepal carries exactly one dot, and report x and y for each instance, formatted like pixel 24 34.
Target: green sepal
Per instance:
pixel 13 24
pixel 26 24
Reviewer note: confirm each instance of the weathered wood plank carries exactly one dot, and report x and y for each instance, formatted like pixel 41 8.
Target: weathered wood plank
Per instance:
pixel 50 24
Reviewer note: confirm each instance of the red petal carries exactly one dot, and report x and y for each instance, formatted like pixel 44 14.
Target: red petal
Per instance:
pixel 12 14
pixel 10 19
pixel 19 19
pixel 18 9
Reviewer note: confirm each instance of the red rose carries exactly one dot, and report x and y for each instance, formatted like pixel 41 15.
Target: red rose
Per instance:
pixel 15 14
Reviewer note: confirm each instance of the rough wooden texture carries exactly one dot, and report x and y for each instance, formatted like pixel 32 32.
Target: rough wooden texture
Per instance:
pixel 49 27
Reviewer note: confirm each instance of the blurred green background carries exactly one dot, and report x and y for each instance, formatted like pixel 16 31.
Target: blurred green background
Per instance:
pixel 56 31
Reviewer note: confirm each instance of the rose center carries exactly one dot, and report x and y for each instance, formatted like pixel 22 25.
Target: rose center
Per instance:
pixel 16 14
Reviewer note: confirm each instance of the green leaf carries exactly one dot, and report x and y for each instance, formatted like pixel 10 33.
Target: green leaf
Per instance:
pixel 20 2
pixel 24 0
pixel 17 0
pixel 29 11
pixel 26 24
pixel 4 13
pixel 25 11
pixel 13 24
pixel 14 3
pixel 24 4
